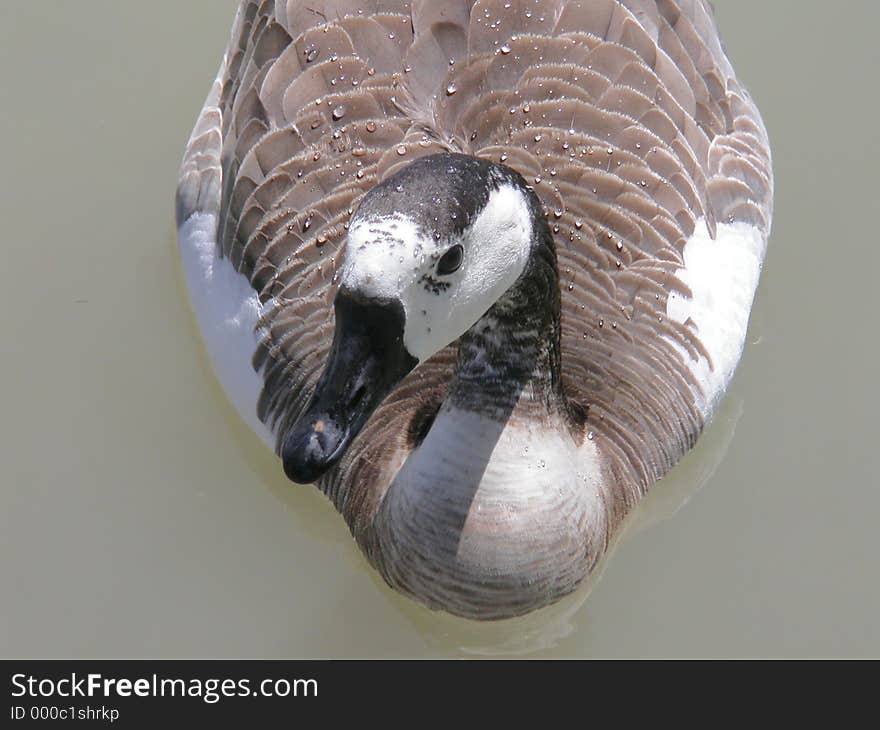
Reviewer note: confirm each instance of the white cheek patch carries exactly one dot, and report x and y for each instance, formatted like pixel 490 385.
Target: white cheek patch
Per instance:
pixel 500 242
pixel 390 258
pixel 497 246
pixel 722 274
pixel 382 256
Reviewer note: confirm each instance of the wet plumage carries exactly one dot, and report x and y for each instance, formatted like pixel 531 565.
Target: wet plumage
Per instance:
pixel 627 121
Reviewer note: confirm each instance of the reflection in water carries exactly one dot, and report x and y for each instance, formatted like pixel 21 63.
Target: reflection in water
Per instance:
pixel 539 631
pixel 140 517
pixel 534 632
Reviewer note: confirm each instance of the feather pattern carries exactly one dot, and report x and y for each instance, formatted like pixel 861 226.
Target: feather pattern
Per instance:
pixel 626 118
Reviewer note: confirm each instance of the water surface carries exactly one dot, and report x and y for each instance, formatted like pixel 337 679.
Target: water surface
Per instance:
pixel 140 517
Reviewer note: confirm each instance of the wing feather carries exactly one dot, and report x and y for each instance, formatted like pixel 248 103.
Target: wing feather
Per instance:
pixel 625 116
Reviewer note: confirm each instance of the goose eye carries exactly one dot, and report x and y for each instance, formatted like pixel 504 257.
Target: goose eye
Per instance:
pixel 450 262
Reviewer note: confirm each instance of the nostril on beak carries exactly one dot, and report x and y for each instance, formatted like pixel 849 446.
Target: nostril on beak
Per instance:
pixel 357 397
pixel 311 449
pixel 322 441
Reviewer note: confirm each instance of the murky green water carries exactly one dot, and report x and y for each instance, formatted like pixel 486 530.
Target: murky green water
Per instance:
pixel 139 516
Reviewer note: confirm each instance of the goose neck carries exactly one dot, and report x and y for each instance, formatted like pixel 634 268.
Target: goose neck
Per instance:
pixel 513 351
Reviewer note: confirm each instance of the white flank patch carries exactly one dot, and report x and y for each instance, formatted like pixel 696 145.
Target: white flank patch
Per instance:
pixel 722 274
pixel 227 309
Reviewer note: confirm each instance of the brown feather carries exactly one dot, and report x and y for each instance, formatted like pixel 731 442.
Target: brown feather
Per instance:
pixel 625 116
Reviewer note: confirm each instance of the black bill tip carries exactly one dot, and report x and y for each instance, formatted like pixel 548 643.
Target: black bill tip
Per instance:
pixel 312 448
pixel 366 360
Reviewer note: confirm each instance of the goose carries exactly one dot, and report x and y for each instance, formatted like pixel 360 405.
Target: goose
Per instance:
pixel 481 271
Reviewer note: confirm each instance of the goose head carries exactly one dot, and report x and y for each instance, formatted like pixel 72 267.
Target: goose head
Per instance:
pixel 429 252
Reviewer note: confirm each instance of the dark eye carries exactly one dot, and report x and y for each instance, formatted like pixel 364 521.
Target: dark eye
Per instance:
pixel 450 262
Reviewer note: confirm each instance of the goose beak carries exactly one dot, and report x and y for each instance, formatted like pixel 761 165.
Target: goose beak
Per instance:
pixel 367 359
